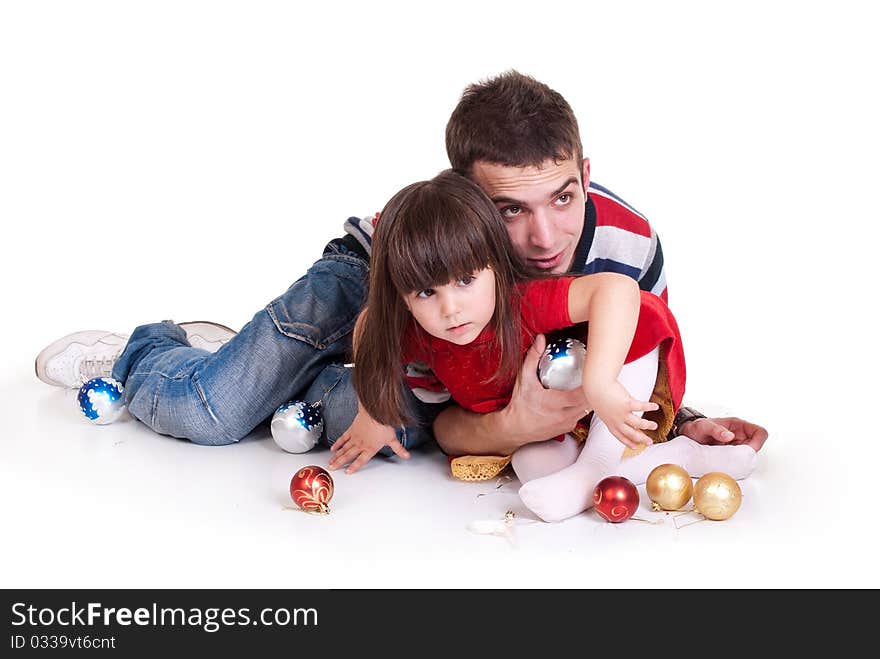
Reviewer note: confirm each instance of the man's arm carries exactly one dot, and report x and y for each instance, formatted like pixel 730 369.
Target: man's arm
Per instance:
pixel 461 432
pixel 534 414
pixel 690 422
pixel 652 278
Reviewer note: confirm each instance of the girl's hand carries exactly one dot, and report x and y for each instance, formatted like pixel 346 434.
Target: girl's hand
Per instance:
pixel 362 441
pixel 613 404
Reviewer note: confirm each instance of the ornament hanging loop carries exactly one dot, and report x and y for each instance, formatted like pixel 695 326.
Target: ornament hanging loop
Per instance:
pixel 687 512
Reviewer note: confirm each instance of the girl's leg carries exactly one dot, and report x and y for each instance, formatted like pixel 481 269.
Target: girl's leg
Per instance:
pixel 544 458
pixel 570 490
pixel 696 459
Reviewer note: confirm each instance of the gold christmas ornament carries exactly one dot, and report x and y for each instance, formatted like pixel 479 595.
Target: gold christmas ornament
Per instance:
pixel 717 496
pixel 669 487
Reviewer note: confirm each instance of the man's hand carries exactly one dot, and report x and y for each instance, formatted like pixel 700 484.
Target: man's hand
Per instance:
pixel 532 415
pixel 728 431
pixel 535 413
pixel 362 441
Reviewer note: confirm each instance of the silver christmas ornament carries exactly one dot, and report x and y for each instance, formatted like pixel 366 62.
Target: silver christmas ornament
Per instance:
pixel 561 366
pixel 101 400
pixel 296 426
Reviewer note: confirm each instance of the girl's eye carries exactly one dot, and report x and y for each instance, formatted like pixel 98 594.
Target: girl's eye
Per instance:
pixel 466 280
pixel 428 292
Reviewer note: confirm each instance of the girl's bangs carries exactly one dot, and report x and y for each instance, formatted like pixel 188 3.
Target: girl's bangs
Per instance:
pixel 437 248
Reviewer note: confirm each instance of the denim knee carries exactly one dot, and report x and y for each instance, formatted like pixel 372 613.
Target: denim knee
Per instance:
pixel 335 391
pixel 219 437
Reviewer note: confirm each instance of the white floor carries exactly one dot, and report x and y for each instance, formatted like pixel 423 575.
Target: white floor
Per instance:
pixel 212 171
pixel 119 506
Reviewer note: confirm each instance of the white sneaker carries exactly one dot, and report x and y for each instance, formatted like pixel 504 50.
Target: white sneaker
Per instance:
pixel 207 335
pixel 79 357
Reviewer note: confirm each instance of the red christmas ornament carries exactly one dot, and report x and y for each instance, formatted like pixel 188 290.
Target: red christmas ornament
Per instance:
pixel 616 498
pixel 311 488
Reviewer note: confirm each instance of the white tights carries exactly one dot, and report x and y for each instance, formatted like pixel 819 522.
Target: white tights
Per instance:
pixel 558 478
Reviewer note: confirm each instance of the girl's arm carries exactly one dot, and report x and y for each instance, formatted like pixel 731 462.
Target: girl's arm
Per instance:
pixel 610 302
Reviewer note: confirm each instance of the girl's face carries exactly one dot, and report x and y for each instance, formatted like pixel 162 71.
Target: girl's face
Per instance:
pixel 458 311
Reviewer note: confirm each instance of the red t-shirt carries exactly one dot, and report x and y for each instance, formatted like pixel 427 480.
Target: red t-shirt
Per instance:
pixel 465 370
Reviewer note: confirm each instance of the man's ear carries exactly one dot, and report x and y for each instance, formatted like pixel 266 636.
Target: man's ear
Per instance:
pixel 586 173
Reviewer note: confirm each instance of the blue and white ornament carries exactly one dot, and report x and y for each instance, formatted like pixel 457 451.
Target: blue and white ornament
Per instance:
pixel 101 400
pixel 562 364
pixel 296 426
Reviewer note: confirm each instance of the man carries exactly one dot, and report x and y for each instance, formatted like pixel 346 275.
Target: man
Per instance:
pixel 519 141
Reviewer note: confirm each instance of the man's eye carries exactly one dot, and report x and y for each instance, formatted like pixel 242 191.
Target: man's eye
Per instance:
pixel 510 211
pixel 563 199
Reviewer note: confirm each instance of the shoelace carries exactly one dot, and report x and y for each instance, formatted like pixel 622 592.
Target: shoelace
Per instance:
pixel 93 368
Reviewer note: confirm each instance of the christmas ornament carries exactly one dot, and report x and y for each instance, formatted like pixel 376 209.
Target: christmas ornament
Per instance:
pixel 616 499
pixel 296 426
pixel 669 487
pixel 311 488
pixel 561 365
pixel 717 496
pixel 101 400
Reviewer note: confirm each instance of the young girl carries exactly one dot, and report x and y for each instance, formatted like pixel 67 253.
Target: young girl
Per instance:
pixel 449 293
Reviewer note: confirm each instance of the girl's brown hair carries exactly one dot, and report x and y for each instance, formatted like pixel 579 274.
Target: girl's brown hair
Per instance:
pixel 429 234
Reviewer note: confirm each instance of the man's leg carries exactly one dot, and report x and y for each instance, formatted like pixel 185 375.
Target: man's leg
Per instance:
pixel 218 398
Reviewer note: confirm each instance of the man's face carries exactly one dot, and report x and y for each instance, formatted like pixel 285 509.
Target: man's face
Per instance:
pixel 543 207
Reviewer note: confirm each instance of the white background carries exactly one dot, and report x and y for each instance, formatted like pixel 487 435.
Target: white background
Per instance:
pixel 189 160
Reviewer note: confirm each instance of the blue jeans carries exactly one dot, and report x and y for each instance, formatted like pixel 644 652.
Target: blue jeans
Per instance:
pixel 293 349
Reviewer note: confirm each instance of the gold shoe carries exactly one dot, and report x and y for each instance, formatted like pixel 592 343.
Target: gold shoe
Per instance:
pixel 478 467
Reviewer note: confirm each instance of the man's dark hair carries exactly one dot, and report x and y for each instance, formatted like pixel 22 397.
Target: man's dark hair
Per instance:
pixel 511 119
